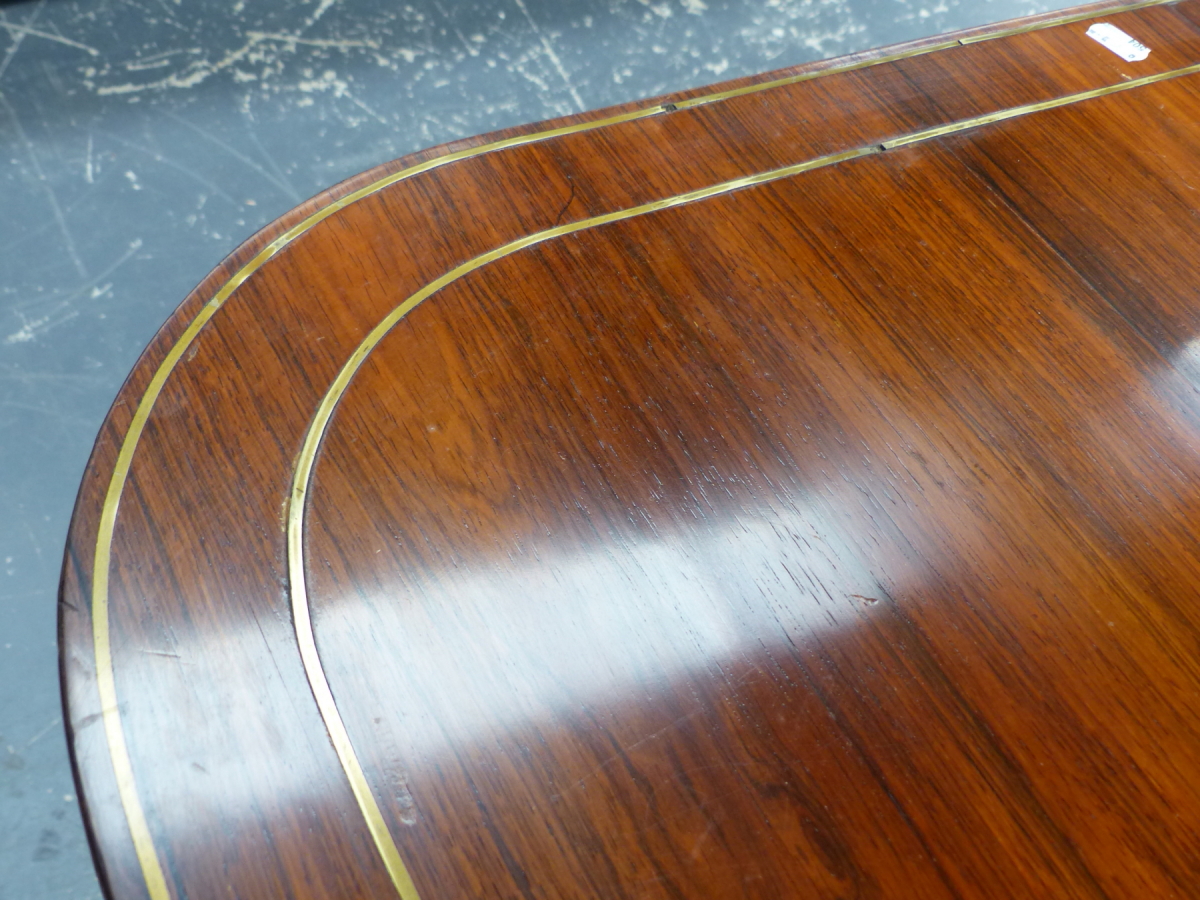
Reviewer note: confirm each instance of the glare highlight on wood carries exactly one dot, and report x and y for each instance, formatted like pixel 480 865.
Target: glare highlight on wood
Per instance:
pixel 787 484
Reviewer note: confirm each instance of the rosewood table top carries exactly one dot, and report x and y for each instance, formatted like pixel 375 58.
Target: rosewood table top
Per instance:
pixel 784 489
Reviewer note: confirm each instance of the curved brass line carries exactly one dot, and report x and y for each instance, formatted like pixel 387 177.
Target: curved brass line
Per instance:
pixel 338 735
pixel 105 679
pixel 135 816
pixel 143 843
pixel 306 461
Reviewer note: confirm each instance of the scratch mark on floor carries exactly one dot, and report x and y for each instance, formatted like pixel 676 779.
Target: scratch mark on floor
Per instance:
pixel 19 376
pixel 24 595
pixel 367 109
pixel 62 311
pixel 19 36
pixel 283 185
pixel 57 415
pixel 321 9
pixel 68 240
pixel 33 540
pixel 203 69
pixel 159 158
pixel 25 31
pixel 549 48
pixel 270 161
pixel 41 734
pixel 470 49
pixel 157 60
pixel 312 42
pixel 289 189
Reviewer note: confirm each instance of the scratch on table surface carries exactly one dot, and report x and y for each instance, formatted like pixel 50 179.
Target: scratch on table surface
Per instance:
pixel 708 829
pixel 580 782
pixel 162 653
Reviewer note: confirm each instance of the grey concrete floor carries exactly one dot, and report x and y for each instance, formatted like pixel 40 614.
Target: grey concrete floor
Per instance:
pixel 142 140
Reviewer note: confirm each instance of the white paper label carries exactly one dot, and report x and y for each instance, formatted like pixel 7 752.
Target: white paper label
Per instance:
pixel 1118 42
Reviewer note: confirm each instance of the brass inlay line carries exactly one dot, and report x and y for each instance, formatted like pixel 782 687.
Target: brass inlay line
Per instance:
pixel 143 842
pixel 135 816
pixel 328 706
pixel 916 51
pixel 1063 20
pixel 989 118
pixel 306 461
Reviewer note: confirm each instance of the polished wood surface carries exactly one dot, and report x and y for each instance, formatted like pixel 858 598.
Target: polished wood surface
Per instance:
pixel 785 489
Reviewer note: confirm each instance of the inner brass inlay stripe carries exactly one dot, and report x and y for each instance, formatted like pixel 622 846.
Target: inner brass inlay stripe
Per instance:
pixel 989 118
pixel 143 843
pixel 306 460
pixel 135 816
pixel 142 839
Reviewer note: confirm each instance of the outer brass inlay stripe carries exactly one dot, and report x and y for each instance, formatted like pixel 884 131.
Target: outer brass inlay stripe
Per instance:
pixel 106 687
pixel 917 51
pixel 135 816
pixel 143 843
pixel 1063 20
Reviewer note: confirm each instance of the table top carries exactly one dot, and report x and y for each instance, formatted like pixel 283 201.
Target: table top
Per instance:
pixel 784 484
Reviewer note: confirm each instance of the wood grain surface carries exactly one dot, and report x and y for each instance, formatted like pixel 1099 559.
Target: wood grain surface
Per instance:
pixel 785 489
